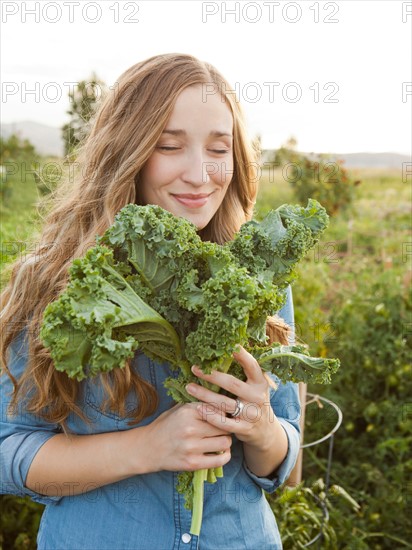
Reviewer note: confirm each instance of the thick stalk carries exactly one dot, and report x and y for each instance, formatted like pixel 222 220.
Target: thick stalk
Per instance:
pixel 223 367
pixel 199 478
pixel 219 471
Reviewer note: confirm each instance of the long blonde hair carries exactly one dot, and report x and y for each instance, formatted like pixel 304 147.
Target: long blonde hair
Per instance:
pixel 122 136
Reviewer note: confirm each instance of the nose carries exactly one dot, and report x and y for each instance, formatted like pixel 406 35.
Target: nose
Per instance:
pixel 196 170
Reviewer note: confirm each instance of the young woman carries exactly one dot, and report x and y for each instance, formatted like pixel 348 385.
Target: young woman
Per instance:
pixel 103 454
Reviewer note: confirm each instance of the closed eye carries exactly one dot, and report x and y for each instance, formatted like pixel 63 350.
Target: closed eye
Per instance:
pixel 218 151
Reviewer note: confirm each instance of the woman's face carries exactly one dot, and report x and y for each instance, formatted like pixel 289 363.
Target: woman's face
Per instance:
pixel 191 167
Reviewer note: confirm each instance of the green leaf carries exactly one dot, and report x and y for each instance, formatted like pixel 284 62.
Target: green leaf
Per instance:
pixel 292 363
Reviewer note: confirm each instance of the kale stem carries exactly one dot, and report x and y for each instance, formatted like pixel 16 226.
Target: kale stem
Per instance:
pixel 197 509
pixel 211 477
pixel 223 367
pixel 219 471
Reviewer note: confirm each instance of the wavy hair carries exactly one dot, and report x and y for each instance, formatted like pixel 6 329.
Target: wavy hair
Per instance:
pixel 121 137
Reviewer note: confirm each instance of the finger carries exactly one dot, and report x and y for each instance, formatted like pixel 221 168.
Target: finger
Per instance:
pixel 243 426
pixel 222 402
pixel 225 381
pixel 213 460
pixel 251 367
pixel 218 418
pixel 215 444
pixel 205 429
pixel 254 375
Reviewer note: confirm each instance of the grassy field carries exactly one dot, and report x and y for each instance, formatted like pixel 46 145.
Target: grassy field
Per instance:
pixel 20 217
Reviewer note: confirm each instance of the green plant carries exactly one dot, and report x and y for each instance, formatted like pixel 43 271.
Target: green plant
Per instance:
pixel 352 300
pixel 84 100
pixel 19 523
pixel 320 177
pixel 5 185
pixel 152 283
pixel 372 456
pixel 305 514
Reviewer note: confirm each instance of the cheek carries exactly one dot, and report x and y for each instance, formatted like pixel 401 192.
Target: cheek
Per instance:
pixel 152 170
pixel 154 177
pixel 225 173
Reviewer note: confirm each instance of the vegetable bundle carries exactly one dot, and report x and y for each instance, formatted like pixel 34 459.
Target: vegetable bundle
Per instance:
pixel 151 283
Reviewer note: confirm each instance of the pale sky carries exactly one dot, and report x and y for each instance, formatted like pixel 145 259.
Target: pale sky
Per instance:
pixel 340 72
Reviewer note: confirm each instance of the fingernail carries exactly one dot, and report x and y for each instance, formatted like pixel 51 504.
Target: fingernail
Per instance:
pixel 190 388
pixel 196 369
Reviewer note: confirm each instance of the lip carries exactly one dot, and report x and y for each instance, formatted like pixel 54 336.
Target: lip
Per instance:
pixel 192 200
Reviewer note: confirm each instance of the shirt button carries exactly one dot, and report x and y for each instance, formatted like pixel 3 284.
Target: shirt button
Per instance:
pixel 186 538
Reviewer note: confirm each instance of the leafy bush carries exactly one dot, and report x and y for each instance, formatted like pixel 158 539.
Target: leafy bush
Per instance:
pixel 305 514
pixel 15 148
pixel 84 100
pixel 372 460
pixel 19 523
pixel 321 177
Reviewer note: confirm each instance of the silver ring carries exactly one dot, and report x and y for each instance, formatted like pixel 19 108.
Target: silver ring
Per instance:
pixel 239 407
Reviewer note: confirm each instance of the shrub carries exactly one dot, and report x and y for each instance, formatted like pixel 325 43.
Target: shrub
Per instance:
pixel 321 177
pixel 372 459
pixel 305 513
pixel 19 522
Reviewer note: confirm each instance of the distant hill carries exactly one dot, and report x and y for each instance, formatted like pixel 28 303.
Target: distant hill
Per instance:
pixel 358 160
pixel 374 160
pixel 46 139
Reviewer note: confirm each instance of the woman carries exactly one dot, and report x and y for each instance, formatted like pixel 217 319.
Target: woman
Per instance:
pixel 171 133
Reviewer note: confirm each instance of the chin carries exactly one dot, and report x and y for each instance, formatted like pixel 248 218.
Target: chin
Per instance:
pixel 200 224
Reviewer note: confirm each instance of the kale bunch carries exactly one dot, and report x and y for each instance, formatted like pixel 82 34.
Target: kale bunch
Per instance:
pixel 150 282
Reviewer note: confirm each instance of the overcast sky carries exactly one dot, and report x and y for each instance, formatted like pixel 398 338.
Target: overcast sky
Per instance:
pixel 333 74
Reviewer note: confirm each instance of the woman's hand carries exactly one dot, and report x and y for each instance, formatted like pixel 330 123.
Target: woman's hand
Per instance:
pixel 180 440
pixel 256 419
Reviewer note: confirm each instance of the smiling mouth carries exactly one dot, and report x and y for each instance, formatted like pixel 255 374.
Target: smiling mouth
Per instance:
pixel 192 200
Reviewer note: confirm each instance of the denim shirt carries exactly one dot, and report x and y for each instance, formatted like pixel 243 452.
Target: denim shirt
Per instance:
pixel 145 512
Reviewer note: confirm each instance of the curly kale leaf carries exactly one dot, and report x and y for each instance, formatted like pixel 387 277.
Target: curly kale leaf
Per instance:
pixel 293 363
pixel 275 245
pixel 158 245
pixel 100 321
pixel 227 300
pixel 165 253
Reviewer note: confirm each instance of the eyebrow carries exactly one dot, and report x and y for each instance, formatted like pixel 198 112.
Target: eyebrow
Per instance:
pixel 213 133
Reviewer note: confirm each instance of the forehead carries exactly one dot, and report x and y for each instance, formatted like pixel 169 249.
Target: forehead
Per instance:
pixel 202 105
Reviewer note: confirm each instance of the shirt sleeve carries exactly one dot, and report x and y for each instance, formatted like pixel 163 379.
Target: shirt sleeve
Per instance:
pixel 21 433
pixel 286 405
